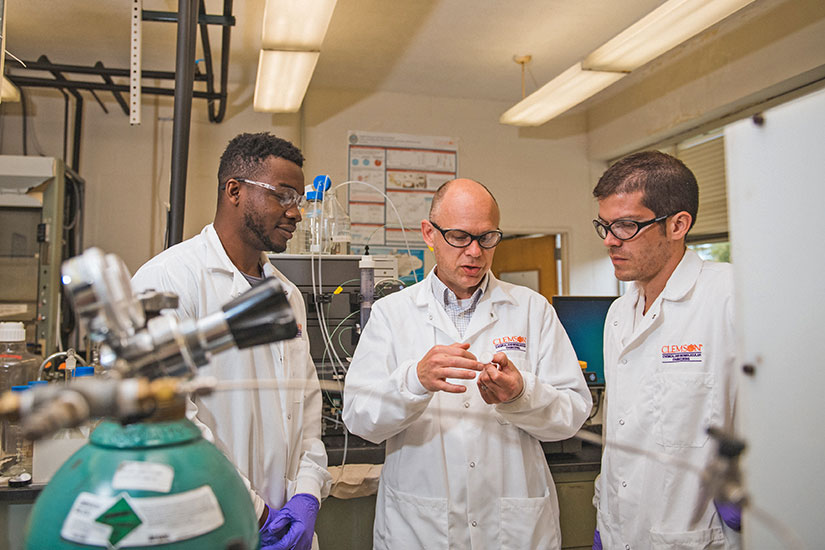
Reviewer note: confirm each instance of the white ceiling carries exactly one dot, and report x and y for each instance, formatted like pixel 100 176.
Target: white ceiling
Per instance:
pixel 451 48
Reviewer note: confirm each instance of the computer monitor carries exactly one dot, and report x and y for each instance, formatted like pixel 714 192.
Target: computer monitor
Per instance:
pixel 583 319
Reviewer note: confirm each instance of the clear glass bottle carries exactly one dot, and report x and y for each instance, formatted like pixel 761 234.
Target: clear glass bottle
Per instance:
pixel 340 235
pixel 14 443
pixel 17 367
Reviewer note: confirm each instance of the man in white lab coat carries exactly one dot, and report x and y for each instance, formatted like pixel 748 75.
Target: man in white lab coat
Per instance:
pixel 670 355
pixel 272 434
pixel 463 375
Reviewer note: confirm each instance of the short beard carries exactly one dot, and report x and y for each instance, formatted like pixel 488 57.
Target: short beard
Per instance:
pixel 254 225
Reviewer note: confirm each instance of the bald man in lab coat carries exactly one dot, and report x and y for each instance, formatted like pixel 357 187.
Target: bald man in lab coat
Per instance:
pixel 463 376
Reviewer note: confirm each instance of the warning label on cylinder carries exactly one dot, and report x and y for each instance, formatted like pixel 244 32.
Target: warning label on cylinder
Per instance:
pixel 123 521
pixel 143 476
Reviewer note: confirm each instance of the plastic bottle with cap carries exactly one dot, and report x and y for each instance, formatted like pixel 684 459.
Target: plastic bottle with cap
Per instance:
pixel 314 234
pixel 17 365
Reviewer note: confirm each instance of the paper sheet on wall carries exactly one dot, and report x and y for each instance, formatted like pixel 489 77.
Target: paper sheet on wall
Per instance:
pixel 405 169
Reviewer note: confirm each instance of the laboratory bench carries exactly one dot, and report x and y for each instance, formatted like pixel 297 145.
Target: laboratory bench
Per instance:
pixel 347 524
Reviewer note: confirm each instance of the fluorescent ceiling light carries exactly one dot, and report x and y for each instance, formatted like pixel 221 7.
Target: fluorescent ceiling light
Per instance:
pixel 8 91
pixel 557 96
pixel 296 24
pixel 282 80
pixel 659 31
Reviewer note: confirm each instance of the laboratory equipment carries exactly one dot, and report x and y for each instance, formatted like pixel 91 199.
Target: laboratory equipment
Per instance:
pixel 583 319
pixel 374 269
pixel 331 288
pixel 40 224
pixel 101 294
pixel 59 365
pixel 367 267
pixel 121 488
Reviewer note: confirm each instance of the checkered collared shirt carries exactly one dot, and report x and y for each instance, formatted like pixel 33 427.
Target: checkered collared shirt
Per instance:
pixel 459 311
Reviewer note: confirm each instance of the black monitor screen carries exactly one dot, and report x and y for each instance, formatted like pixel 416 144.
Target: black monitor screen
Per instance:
pixel 583 319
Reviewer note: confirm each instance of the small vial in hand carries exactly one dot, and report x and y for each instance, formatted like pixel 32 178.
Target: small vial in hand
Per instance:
pixel 486 357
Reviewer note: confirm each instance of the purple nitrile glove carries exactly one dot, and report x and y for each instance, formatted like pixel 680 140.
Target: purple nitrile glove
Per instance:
pixel 597 540
pixel 730 513
pixel 291 527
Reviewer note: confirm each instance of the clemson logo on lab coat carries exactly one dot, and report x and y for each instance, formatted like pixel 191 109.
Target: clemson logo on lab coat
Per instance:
pixel 682 353
pixel 510 343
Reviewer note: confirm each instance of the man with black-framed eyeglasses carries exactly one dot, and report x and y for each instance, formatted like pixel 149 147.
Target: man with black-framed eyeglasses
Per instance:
pixel 464 375
pixel 272 435
pixel 670 359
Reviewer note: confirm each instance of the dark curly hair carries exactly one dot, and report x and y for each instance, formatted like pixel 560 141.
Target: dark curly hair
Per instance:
pixel 668 186
pixel 246 152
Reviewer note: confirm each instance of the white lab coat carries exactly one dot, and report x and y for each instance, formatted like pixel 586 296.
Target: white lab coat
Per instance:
pixel 659 402
pixel 460 473
pixel 273 436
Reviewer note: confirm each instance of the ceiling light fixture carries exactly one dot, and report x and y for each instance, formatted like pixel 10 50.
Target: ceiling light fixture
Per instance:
pixel 557 96
pixel 659 31
pixel 283 78
pixel 293 31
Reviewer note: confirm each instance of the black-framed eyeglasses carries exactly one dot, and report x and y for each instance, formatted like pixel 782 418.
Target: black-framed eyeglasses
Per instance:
pixel 624 230
pixel 287 196
pixel 461 239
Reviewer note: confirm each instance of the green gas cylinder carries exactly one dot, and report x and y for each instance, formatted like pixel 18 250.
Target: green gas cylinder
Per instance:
pixel 154 485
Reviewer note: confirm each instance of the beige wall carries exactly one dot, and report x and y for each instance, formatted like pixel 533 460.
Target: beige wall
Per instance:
pixel 541 176
pixel 542 180
pixel 127 168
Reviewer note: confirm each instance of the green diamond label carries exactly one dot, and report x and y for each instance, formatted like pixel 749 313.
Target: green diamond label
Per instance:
pixel 124 521
pixel 121 518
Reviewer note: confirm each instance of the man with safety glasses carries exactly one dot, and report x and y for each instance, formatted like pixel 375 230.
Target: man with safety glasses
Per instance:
pixel 464 375
pixel 272 435
pixel 669 357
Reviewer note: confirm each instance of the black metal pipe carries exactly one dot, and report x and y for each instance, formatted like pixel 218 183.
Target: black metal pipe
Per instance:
pixel 57 74
pixel 23 105
pixel 111 71
pixel 225 35
pixel 203 18
pixel 206 48
pixel 99 102
pixel 35 82
pixel 216 110
pixel 184 82
pixel 108 80
pixel 78 126
pixel 65 123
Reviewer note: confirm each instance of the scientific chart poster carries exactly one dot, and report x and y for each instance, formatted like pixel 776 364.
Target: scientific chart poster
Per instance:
pixel 397 170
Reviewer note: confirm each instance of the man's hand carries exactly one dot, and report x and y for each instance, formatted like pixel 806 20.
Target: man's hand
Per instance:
pixel 442 362
pixel 292 526
pixel 502 383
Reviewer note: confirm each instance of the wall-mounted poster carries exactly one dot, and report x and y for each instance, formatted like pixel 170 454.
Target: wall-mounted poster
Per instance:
pixel 399 174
